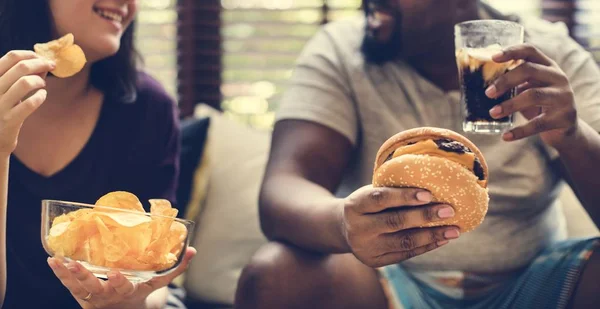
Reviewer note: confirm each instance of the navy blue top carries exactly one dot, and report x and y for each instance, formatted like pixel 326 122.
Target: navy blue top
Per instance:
pixel 134 147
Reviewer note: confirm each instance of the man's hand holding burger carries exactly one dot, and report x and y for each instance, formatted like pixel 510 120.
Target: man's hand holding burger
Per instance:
pixel 429 185
pixel 381 225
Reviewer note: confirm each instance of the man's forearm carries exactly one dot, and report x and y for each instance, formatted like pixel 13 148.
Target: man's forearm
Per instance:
pixel 581 158
pixel 302 213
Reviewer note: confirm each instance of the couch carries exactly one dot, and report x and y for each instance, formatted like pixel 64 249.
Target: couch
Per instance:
pixel 222 168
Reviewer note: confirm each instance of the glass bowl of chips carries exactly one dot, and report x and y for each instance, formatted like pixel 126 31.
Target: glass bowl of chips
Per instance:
pixel 116 233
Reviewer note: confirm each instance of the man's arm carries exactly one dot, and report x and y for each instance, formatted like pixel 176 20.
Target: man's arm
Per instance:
pixel 580 159
pixel 556 104
pixel 296 200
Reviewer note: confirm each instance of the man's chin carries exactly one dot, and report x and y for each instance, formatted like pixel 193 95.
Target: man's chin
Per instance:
pixel 378 53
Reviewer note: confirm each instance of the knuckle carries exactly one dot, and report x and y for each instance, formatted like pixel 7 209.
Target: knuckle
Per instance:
pixel 432 246
pixel 23 67
pixel 563 79
pixel 436 235
pixel 377 196
pixel 571 115
pixel 410 254
pixel 33 81
pixel 31 103
pixel 539 125
pixel 429 214
pixel 409 195
pixel 528 69
pixel 395 220
pixel 537 95
pixel 25 82
pixel 407 242
pixel 12 55
pixel 529 48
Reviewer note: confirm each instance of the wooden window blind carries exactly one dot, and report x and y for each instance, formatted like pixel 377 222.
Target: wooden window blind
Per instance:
pixel 261 41
pixel 237 54
pixel 199 53
pixel 155 32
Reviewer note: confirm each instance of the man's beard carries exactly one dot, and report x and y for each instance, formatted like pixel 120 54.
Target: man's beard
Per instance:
pixel 378 52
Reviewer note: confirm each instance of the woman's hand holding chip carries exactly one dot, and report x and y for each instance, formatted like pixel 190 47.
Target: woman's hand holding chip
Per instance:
pixel 22 82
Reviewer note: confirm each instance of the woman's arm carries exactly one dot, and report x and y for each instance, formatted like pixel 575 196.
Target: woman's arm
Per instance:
pixel 22 81
pixel 3 201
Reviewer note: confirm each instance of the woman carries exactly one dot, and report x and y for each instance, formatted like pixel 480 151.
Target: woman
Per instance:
pixel 107 128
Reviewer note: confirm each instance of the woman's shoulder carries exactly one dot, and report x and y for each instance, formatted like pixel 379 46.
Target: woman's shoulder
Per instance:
pixel 151 91
pixel 152 111
pixel 152 103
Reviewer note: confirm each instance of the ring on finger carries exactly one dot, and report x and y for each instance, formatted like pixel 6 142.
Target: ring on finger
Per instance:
pixel 88 297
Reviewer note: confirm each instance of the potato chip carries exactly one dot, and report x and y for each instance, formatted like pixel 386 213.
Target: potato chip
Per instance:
pixel 160 207
pixel 177 235
pixel 70 216
pixel 138 237
pixel 123 218
pixel 122 200
pixel 124 240
pixel 68 56
pixel 161 224
pixel 114 247
pixel 130 262
pixel 66 237
pixel 96 251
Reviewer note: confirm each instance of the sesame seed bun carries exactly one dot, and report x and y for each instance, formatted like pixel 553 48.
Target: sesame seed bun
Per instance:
pixel 448 181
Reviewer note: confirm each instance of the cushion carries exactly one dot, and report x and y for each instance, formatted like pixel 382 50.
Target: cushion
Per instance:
pixel 193 138
pixel 227 224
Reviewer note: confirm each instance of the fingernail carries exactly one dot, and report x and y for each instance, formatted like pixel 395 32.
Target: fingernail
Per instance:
pixel 446 212
pixel 451 234
pixel 508 136
pixel 441 243
pixel 52 64
pixel 72 267
pixel 424 196
pixel 491 91
pixel 496 111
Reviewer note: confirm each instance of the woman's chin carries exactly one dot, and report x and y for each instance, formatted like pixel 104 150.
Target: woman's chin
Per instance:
pixel 97 54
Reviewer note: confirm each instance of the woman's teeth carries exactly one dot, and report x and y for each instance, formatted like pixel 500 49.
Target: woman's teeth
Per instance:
pixel 109 15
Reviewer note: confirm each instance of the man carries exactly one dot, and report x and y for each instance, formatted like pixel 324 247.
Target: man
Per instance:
pixel 335 238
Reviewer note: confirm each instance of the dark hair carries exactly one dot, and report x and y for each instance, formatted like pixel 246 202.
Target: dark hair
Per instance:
pixel 24 23
pixel 375 51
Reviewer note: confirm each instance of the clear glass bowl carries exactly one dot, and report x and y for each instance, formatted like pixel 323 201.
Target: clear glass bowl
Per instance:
pixel 102 239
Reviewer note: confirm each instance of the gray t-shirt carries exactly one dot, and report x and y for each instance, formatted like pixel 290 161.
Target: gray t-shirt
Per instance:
pixel 333 86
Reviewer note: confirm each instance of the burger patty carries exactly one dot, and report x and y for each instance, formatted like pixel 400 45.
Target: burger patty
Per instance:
pixel 452 146
pixel 449 145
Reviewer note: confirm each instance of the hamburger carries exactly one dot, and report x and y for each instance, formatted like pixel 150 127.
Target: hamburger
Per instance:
pixel 443 162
